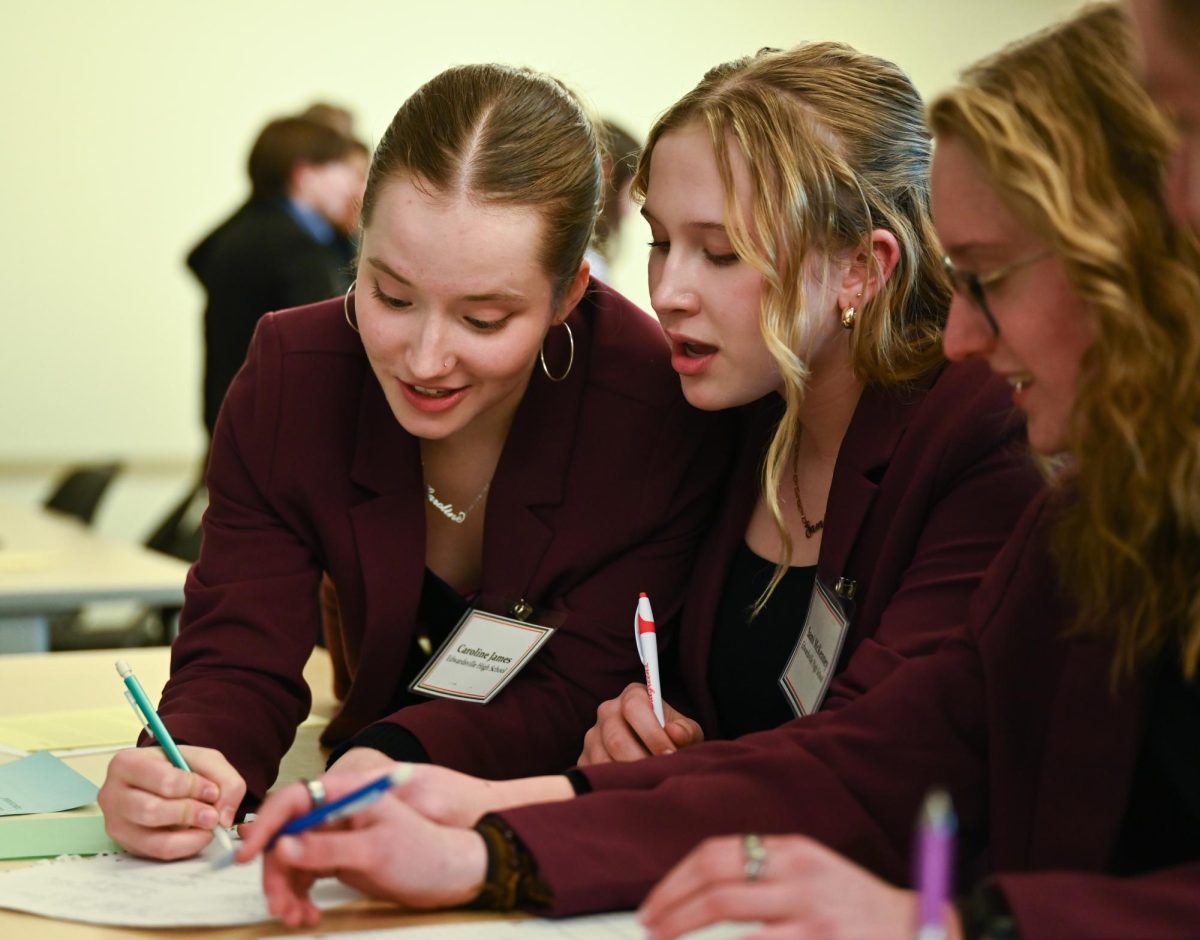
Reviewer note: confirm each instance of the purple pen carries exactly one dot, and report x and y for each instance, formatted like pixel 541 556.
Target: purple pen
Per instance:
pixel 934 863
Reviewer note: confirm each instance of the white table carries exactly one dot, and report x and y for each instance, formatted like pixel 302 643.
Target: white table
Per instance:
pixel 50 563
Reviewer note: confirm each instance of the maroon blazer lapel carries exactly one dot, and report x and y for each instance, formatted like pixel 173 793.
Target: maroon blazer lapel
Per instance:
pixel 389 534
pixel 875 430
pixel 533 472
pixel 1087 767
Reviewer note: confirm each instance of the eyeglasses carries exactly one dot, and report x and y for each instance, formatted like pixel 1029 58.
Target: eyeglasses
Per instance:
pixel 973 285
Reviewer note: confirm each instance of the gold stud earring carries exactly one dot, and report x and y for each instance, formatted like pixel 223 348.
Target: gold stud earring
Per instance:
pixel 848 316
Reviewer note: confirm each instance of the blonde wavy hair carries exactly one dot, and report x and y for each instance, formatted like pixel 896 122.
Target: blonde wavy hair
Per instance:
pixel 1073 145
pixel 837 146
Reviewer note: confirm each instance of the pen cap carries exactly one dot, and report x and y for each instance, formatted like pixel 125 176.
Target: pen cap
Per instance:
pixel 934 863
pixel 643 617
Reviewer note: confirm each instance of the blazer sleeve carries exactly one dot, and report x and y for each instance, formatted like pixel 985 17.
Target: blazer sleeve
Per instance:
pixel 237 666
pixel 819 776
pixel 1064 905
pixel 536 725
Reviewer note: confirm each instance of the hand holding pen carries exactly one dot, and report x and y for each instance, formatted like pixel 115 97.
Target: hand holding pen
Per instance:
pixel 389 850
pixel 158 809
pixel 639 722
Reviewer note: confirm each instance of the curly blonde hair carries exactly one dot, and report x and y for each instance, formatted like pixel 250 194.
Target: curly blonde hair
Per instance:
pixel 1075 148
pixel 837 146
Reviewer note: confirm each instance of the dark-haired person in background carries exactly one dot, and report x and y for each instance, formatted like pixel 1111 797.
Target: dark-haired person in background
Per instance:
pixel 284 247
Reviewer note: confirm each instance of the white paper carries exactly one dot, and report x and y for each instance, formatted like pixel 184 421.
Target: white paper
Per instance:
pixel 598 927
pixel 124 891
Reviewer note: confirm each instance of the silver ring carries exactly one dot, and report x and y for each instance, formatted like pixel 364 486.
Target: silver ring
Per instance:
pixel 316 792
pixel 756 855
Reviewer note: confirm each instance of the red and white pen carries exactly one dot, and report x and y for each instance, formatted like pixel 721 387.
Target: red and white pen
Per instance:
pixel 647 644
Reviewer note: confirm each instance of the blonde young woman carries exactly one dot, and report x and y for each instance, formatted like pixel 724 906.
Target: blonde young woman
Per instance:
pixel 475 430
pixel 871 482
pixel 1065 721
pixel 812 302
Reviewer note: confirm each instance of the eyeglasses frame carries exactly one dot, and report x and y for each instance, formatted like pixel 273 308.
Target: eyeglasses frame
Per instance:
pixel 973 283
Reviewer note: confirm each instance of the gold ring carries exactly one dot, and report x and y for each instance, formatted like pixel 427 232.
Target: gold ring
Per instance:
pixel 756 855
pixel 316 792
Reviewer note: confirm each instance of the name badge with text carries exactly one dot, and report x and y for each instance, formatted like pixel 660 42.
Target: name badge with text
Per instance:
pixel 814 658
pixel 480 657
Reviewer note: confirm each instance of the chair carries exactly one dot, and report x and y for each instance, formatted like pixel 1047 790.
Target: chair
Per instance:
pixel 79 491
pixel 177 535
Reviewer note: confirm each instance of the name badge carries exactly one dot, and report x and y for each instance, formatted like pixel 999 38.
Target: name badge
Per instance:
pixel 810 668
pixel 480 657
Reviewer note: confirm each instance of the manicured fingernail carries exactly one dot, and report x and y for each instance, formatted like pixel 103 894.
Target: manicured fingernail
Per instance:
pixel 207 818
pixel 209 793
pixel 227 817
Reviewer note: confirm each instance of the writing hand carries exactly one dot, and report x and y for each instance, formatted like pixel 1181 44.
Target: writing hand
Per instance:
pixel 154 809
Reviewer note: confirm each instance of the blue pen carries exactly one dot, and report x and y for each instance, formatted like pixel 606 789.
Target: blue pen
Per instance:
pixel 160 732
pixel 347 805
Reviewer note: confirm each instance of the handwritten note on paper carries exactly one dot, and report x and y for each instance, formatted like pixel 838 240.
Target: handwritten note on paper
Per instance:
pixel 123 891
pixel 41 783
pixel 597 927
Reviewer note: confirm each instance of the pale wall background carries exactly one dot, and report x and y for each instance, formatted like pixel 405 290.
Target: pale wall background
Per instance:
pixel 128 122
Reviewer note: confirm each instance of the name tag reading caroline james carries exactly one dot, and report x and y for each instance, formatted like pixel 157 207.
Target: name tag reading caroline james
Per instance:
pixel 810 668
pixel 480 657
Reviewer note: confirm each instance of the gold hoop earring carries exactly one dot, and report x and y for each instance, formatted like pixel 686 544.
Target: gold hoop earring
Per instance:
pixel 570 359
pixel 346 306
pixel 848 317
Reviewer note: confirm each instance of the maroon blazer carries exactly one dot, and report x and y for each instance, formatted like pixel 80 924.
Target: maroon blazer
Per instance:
pixel 1019 723
pixel 605 484
pixel 928 485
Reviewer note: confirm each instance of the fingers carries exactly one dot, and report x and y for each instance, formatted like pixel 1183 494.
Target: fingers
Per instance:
pixel 683 731
pixel 213 766
pixel 735 901
pixel 638 714
pixel 713 861
pixel 156 810
pixel 286 890
pixel 625 730
pixel 291 801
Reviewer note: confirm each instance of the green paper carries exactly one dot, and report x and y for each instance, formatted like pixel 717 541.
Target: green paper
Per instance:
pixel 41 783
pixel 50 836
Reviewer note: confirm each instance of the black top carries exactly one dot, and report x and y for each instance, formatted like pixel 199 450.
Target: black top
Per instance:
pixel 438 612
pixel 748 656
pixel 1162 823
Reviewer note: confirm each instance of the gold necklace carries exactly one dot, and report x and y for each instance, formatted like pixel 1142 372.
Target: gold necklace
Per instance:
pixel 810 528
pixel 457 516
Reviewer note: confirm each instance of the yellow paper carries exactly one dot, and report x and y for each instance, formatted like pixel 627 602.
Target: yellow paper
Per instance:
pixel 14 561
pixel 58 730
pixel 113 727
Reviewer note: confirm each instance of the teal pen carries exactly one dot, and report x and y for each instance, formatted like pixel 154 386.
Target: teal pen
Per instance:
pixel 163 736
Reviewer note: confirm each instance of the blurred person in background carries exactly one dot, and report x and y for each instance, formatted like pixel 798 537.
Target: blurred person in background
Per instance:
pixel 281 247
pixel 1169 34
